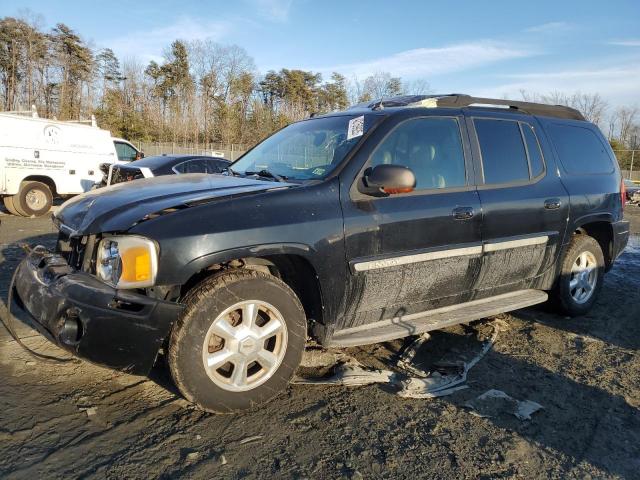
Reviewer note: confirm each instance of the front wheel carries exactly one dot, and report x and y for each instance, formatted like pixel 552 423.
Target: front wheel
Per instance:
pixel 581 276
pixel 238 342
pixel 34 199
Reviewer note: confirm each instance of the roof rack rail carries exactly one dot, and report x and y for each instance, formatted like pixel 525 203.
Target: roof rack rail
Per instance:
pixel 457 100
pixel 531 108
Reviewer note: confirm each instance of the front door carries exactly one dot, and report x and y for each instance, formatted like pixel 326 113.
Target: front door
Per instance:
pixel 409 253
pixel 524 204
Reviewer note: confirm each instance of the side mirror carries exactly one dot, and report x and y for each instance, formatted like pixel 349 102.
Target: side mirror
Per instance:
pixel 383 180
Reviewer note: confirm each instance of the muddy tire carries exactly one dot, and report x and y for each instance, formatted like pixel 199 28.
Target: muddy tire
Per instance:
pixel 238 342
pixel 34 199
pixel 8 204
pixel 581 276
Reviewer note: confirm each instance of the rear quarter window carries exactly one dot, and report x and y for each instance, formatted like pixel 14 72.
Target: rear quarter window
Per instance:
pixel 580 149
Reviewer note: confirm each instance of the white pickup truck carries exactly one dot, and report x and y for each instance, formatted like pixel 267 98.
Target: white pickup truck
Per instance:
pixel 41 159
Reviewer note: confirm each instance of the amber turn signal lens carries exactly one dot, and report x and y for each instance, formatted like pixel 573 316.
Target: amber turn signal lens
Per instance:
pixel 127 261
pixel 136 265
pixel 393 191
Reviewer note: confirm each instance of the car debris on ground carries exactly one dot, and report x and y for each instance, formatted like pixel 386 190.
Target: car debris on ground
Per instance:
pixel 446 379
pixel 494 402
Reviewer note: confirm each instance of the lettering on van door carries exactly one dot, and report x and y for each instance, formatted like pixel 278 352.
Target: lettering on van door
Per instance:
pixel 34 163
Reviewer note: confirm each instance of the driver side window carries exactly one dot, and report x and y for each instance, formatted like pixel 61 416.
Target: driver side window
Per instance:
pixel 431 147
pixel 125 152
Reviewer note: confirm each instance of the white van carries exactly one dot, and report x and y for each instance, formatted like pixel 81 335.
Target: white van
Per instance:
pixel 41 159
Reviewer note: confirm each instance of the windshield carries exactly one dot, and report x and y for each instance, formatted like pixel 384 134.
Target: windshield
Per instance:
pixel 305 150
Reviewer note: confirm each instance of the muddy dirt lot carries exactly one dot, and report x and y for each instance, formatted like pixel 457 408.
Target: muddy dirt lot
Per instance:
pixel 80 420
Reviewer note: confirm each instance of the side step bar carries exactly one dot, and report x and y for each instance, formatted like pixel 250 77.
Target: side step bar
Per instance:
pixel 421 322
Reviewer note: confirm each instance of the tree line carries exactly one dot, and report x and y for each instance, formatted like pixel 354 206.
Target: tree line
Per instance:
pixel 203 91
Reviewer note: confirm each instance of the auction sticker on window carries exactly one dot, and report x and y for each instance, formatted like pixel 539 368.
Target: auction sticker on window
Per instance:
pixel 356 127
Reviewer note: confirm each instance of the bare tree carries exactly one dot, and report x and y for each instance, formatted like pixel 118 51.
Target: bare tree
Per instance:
pixel 625 119
pixel 418 86
pixel 528 96
pixel 591 105
pixel 380 85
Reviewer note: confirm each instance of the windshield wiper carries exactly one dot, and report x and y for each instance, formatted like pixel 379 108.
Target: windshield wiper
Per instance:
pixel 267 174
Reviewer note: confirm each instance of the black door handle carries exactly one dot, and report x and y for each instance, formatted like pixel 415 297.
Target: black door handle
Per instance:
pixel 462 213
pixel 552 203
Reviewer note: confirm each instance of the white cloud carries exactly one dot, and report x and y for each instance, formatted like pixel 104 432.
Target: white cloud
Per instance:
pixel 427 62
pixel 149 44
pixel 549 27
pixel 274 10
pixel 626 43
pixel 617 84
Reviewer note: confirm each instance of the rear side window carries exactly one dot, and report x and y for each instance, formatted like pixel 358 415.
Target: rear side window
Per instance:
pixel 533 148
pixel 504 158
pixel 216 166
pixel 192 166
pixel 580 150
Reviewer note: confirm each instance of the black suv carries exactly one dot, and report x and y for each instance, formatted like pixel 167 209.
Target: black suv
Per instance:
pixel 389 219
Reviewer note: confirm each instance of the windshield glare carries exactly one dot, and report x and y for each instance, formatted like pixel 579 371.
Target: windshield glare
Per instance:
pixel 305 150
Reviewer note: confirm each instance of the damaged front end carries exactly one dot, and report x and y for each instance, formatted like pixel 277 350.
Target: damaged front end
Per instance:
pixel 120 329
pixel 97 295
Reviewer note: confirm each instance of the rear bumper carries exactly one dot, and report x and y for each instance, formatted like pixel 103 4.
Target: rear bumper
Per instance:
pixel 119 329
pixel 620 238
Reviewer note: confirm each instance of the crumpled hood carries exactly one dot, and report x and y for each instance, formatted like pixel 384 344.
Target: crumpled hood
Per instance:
pixel 120 206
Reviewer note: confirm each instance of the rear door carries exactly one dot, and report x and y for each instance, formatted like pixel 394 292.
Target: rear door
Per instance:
pixel 409 253
pixel 524 204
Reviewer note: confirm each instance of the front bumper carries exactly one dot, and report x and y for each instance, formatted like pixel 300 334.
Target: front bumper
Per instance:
pixel 620 238
pixel 119 329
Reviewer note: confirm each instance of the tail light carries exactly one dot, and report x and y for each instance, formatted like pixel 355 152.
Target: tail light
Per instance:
pixel 623 193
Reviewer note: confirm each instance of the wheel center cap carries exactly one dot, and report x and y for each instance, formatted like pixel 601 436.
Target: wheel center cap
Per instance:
pixel 248 345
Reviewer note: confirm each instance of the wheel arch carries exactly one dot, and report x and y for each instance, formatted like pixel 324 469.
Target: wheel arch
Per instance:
pixel 48 181
pixel 599 227
pixel 289 262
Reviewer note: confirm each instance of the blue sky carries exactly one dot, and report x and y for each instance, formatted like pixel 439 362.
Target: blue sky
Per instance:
pixel 478 47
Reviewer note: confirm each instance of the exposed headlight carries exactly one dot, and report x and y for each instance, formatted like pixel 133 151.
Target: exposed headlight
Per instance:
pixel 127 261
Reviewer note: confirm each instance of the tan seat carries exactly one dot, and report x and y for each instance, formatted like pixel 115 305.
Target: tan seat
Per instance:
pixel 422 161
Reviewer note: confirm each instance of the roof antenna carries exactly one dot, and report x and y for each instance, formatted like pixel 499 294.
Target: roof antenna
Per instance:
pixel 378 105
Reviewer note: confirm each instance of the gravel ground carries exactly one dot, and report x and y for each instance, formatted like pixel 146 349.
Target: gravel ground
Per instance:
pixel 80 420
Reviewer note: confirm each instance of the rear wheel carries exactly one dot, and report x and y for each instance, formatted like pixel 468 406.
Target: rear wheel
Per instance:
pixel 238 342
pixel 581 276
pixel 8 203
pixel 33 199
